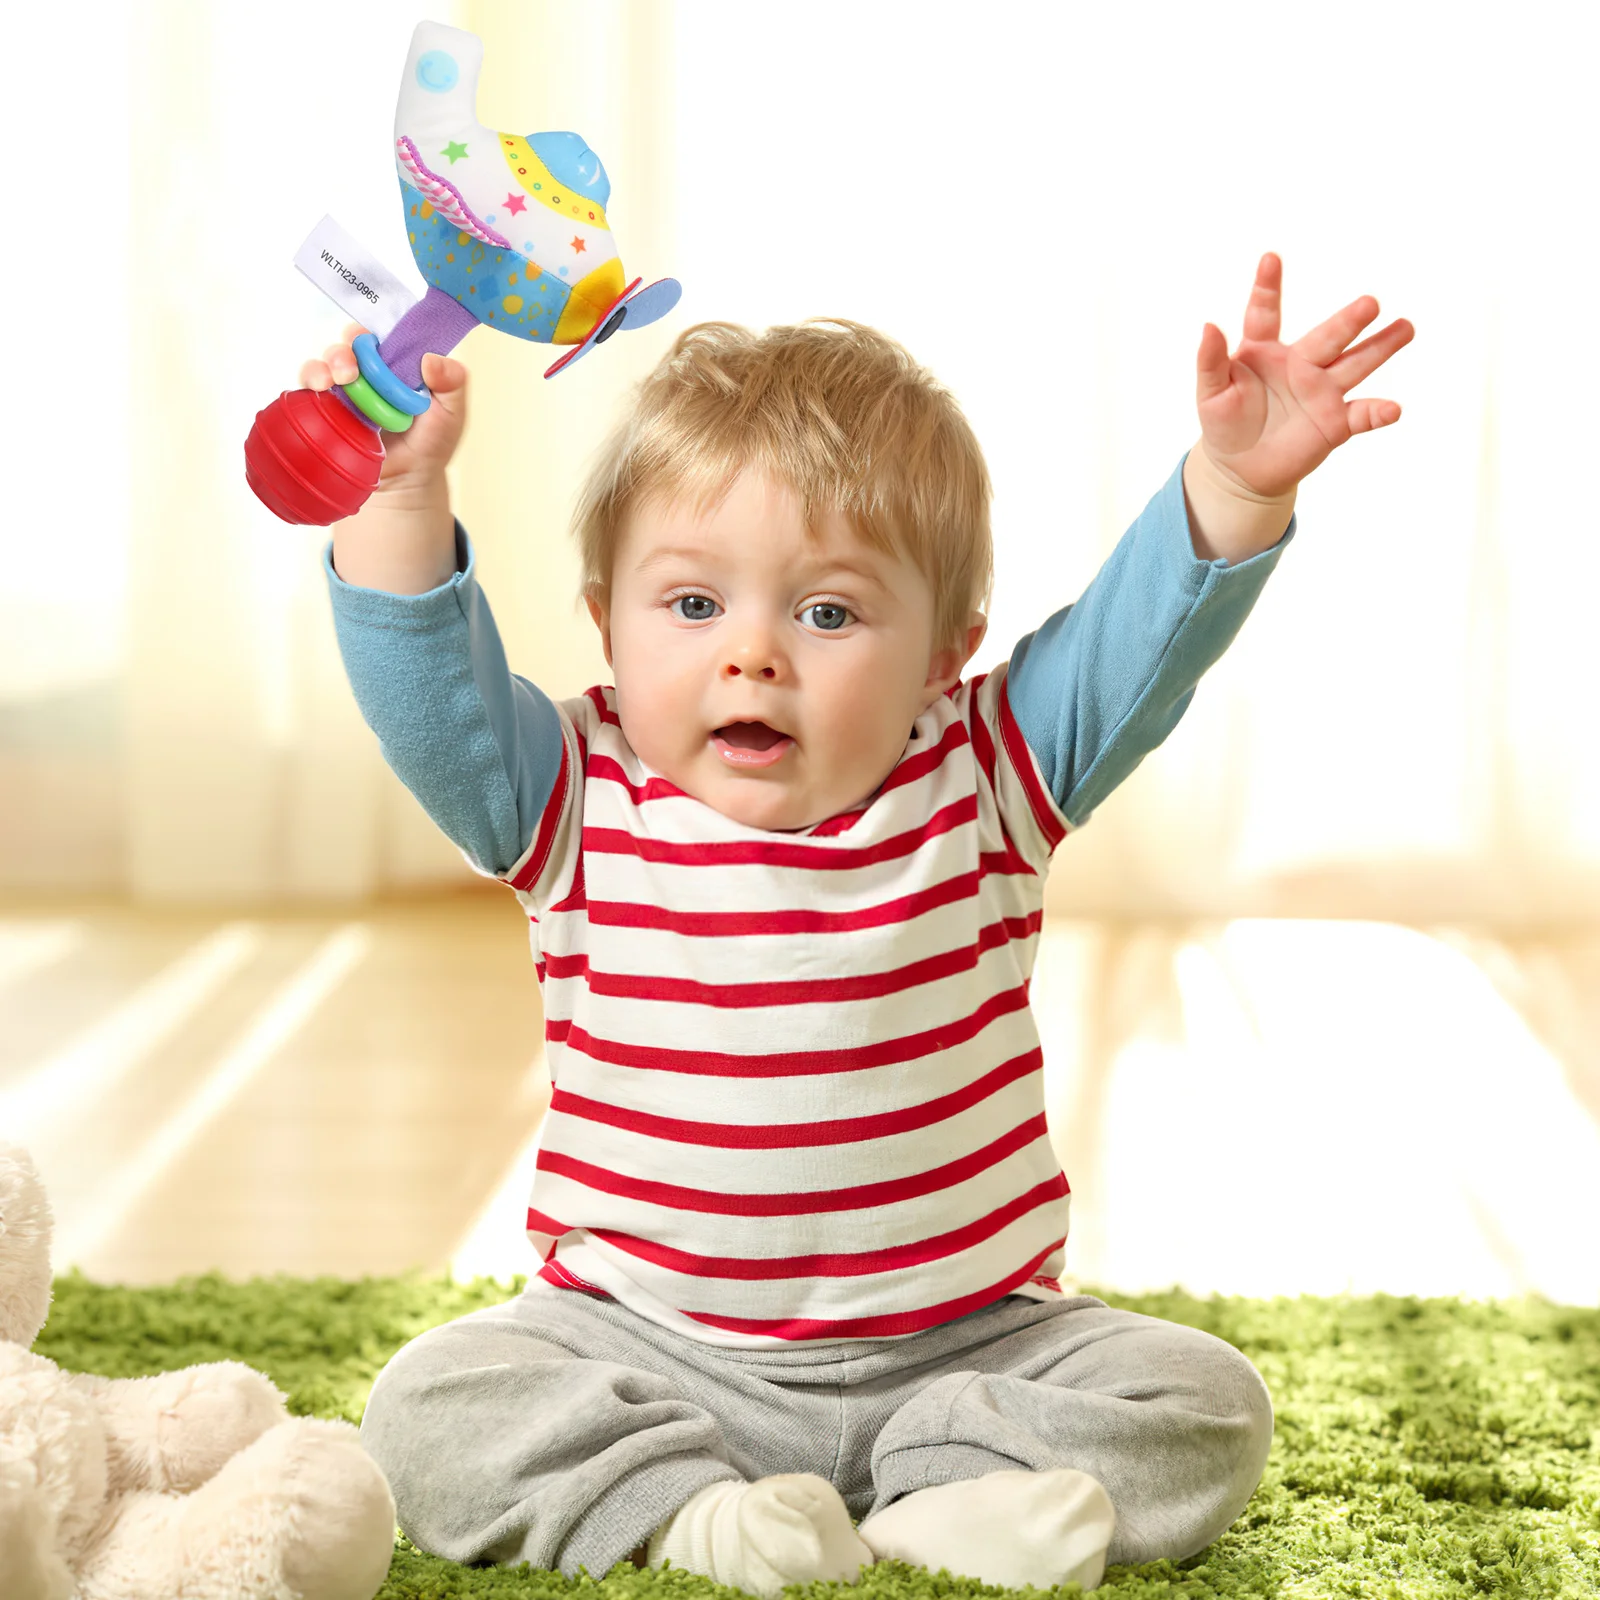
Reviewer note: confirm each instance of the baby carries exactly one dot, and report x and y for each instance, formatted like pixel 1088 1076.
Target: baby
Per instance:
pixel 797 1211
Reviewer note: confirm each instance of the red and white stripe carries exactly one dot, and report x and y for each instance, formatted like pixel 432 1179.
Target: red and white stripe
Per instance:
pixel 445 198
pixel 797 1085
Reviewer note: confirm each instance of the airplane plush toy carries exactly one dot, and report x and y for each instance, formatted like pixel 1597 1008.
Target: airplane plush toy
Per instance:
pixel 508 231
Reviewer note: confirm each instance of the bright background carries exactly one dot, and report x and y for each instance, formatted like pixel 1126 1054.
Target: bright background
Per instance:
pixel 1045 211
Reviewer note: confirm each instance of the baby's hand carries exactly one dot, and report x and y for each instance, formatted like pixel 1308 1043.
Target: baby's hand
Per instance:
pixel 1273 412
pixel 425 448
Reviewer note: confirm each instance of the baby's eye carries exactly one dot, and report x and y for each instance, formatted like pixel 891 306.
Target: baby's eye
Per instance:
pixel 696 607
pixel 828 615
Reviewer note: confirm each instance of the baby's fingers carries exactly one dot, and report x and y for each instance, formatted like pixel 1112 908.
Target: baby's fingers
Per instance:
pixel 338 365
pixel 442 374
pixel 341 362
pixel 1364 416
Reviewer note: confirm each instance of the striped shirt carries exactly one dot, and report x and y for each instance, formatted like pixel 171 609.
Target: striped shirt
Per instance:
pixel 797 1085
pixel 797 1091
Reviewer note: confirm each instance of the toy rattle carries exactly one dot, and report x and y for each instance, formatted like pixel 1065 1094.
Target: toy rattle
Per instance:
pixel 507 231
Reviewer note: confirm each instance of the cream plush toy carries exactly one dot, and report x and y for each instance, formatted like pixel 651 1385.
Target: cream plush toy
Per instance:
pixel 190 1485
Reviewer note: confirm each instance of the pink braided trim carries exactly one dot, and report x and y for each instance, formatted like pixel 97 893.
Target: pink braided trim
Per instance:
pixel 445 197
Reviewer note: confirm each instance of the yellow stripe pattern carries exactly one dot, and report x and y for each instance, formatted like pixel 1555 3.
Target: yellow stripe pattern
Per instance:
pixel 534 177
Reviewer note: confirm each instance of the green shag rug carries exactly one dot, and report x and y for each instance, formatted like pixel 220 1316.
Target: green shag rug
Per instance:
pixel 1424 1448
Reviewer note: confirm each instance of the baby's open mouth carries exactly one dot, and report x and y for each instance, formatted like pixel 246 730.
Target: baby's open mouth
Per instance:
pixel 750 735
pixel 750 744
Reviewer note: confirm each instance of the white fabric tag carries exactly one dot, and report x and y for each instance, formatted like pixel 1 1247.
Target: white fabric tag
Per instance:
pixel 353 278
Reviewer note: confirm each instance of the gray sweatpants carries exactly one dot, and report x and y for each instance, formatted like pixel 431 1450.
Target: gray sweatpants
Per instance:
pixel 561 1429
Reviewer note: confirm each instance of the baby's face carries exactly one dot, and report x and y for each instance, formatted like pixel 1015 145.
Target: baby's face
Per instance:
pixel 773 678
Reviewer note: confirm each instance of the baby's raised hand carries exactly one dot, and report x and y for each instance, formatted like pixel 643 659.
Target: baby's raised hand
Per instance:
pixel 425 448
pixel 1273 412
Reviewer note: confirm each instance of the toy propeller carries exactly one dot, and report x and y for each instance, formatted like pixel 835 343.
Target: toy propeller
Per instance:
pixel 506 230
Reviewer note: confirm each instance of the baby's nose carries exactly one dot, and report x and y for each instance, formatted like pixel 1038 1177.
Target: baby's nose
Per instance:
pixel 752 647
pixel 752 652
pixel 749 666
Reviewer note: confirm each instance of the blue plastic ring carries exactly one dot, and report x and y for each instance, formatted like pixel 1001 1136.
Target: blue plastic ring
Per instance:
pixel 411 401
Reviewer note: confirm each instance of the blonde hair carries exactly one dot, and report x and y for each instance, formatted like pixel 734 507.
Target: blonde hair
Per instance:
pixel 836 411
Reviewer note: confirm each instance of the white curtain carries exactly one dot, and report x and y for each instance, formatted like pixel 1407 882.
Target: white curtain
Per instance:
pixel 174 719
pixel 1045 210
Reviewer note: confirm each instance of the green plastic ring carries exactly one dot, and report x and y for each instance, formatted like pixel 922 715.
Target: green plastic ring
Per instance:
pixel 375 408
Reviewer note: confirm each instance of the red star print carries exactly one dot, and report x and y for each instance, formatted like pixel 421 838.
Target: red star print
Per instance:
pixel 516 205
pixel 578 244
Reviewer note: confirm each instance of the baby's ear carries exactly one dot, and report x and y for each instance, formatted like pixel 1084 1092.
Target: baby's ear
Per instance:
pixel 946 666
pixel 977 627
pixel 601 613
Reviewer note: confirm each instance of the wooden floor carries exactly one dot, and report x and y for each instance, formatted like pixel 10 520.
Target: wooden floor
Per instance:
pixel 1258 1107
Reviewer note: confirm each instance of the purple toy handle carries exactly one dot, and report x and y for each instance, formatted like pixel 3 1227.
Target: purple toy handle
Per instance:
pixel 437 323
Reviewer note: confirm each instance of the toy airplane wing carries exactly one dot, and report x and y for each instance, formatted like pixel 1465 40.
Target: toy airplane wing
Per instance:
pixel 629 310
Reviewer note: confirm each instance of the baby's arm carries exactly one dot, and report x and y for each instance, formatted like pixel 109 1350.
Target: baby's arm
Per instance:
pixel 479 748
pixel 1103 682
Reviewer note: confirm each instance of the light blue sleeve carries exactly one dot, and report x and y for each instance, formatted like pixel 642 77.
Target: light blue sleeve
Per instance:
pixel 1102 682
pixel 479 747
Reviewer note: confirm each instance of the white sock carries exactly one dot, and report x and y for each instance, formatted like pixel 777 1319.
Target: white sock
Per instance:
pixel 1005 1528
pixel 792 1528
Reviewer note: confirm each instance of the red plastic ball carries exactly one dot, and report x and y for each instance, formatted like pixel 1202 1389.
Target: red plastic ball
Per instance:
pixel 309 459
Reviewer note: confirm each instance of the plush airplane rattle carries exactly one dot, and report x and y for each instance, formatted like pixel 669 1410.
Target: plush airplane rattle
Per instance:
pixel 507 231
